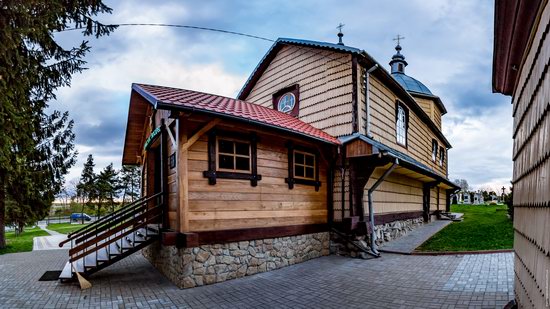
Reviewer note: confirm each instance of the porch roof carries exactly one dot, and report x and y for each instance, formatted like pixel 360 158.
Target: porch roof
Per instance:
pixel 405 161
pixel 160 97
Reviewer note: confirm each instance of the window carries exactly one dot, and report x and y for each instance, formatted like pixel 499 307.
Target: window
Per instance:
pixel 232 155
pixel 434 150
pixel 401 124
pixel 303 167
pixel 286 103
pixel 441 156
pixel 287 100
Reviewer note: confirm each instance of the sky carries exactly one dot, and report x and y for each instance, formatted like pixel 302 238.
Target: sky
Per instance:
pixel 448 45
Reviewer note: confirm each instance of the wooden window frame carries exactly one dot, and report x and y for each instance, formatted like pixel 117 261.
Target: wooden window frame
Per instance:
pixel 441 156
pixel 295 90
pixel 399 104
pixel 234 155
pixel 213 173
pixel 292 179
pixel 305 153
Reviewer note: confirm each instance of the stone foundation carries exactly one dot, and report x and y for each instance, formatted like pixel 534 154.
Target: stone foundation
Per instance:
pixel 384 233
pixel 393 230
pixel 207 264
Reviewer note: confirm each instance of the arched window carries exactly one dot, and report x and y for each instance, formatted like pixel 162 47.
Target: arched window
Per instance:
pixel 401 125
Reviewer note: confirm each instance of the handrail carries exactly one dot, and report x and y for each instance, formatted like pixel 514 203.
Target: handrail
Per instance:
pixel 111 240
pixel 108 217
pixel 105 220
pixel 153 212
pixel 112 223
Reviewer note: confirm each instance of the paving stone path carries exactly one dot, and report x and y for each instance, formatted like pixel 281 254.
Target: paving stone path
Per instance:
pixel 392 281
pixel 407 243
pixel 49 242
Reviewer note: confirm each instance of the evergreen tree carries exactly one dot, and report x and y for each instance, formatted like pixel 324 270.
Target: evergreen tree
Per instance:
pixel 39 174
pixel 108 187
pixel 87 187
pixel 130 178
pixel 32 66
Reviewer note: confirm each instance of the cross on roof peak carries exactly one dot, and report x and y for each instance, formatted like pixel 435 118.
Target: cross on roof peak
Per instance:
pixel 340 34
pixel 398 38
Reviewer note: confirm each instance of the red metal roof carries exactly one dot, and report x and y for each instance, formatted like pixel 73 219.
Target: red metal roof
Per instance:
pixel 167 97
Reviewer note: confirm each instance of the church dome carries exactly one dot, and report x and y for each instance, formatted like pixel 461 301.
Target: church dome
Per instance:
pixel 411 84
pixel 398 65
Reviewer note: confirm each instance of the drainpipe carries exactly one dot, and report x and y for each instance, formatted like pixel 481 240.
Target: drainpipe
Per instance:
pixel 367 96
pixel 371 212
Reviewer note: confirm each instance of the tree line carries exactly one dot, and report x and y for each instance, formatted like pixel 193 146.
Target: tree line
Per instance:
pixel 108 188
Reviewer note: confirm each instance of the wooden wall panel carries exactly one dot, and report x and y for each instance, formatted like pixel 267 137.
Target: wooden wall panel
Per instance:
pixel 531 178
pixel 431 109
pixel 325 84
pixel 396 194
pixel 233 203
pixel 419 141
pixel 172 186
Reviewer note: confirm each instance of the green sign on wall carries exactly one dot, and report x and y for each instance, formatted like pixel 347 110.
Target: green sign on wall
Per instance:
pixel 151 138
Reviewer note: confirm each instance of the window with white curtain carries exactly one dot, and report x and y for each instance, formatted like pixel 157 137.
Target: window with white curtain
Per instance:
pixel 401 126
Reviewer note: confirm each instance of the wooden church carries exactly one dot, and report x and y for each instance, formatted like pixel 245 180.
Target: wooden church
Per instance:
pixel 321 140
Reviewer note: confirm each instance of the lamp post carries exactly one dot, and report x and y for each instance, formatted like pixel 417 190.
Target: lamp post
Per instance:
pixel 503 194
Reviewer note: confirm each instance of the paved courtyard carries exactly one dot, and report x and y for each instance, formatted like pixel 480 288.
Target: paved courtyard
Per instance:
pixel 392 281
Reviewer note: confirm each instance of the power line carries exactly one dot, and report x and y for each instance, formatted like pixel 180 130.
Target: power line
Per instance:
pixel 302 48
pixel 179 26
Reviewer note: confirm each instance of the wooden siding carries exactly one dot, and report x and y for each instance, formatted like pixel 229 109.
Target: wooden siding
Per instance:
pixel 325 84
pixel 532 170
pixel 235 204
pixel 396 194
pixel 419 135
pixel 431 109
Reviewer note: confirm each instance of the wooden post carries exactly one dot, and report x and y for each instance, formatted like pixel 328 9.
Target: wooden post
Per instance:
pixel 354 101
pixel 183 178
pixel 164 171
pixel 427 188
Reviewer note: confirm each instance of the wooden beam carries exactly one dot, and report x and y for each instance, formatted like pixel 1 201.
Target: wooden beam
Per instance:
pixel 199 133
pixel 183 177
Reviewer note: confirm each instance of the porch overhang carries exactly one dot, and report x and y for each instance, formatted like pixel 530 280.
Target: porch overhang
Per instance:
pixel 139 111
pixel 375 154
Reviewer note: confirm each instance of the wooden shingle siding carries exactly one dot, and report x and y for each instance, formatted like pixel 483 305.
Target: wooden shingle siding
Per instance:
pixel 419 136
pixel 531 178
pixel 431 109
pixel 235 204
pixel 325 84
pixel 396 194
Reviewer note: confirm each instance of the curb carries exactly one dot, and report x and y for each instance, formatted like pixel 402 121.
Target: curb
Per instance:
pixel 460 252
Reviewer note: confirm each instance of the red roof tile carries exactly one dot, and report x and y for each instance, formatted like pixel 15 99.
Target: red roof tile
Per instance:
pixel 172 97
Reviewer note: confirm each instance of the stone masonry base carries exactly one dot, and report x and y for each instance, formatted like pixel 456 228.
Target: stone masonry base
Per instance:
pixel 207 264
pixel 384 233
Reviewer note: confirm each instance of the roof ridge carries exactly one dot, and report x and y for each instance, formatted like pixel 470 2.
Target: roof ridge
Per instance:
pixel 230 107
pixel 197 91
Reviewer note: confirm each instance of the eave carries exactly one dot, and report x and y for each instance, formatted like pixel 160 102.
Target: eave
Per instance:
pixel 514 20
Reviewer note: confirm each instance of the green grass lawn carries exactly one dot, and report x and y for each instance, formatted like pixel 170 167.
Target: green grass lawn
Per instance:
pixel 483 228
pixel 65 228
pixel 23 242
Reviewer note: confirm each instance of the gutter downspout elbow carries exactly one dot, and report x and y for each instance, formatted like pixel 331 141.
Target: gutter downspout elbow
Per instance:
pixel 374 247
pixel 367 96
